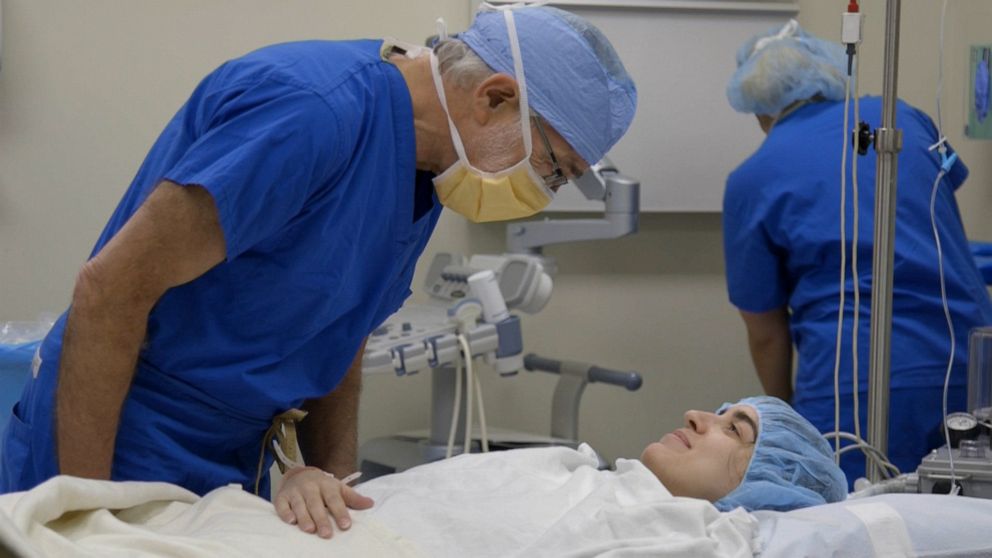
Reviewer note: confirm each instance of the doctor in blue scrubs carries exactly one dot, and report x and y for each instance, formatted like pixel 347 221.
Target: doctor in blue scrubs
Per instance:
pixel 275 223
pixel 782 246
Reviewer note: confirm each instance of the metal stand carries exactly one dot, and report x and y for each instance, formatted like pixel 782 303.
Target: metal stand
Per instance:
pixel 888 143
pixel 574 376
pixel 442 405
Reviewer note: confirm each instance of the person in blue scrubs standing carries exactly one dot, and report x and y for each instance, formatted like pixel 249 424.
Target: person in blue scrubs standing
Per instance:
pixel 782 242
pixel 274 224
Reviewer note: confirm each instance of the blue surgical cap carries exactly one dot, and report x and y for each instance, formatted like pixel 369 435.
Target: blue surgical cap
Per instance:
pixel 575 79
pixel 792 465
pixel 787 66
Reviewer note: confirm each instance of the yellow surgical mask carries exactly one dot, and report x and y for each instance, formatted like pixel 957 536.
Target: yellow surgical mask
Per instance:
pixel 512 193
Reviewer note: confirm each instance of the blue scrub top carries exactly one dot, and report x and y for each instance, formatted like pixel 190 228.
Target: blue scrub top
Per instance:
pixel 782 247
pixel 308 150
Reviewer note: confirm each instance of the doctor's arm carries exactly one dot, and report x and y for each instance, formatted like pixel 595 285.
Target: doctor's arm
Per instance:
pixel 329 433
pixel 771 350
pixel 173 238
pixel 329 441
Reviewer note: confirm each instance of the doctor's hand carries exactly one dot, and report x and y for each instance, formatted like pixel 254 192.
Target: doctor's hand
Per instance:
pixel 309 498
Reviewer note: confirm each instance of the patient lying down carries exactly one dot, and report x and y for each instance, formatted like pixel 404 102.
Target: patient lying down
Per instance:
pixel 688 495
pixel 755 454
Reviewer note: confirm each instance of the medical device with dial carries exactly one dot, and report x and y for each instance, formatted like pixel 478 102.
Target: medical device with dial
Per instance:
pixel 468 315
pixel 962 426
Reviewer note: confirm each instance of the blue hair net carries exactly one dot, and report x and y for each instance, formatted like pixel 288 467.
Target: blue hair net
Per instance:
pixel 575 79
pixel 783 66
pixel 792 465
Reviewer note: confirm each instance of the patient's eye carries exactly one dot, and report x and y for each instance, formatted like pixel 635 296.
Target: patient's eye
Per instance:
pixel 740 433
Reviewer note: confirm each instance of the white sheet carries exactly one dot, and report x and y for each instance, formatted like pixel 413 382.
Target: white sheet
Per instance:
pixel 885 527
pixel 551 502
pixel 536 502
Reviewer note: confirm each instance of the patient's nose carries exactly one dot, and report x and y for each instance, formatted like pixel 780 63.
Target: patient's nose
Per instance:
pixel 696 420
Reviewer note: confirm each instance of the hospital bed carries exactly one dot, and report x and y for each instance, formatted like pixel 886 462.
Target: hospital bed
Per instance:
pixel 886 525
pixel 75 517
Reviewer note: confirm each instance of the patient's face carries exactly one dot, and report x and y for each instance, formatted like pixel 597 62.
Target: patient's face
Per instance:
pixel 708 457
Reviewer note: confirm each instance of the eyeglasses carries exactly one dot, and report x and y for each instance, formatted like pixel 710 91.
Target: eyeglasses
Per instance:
pixel 557 178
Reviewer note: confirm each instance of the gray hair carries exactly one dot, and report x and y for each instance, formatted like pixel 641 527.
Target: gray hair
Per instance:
pixel 460 64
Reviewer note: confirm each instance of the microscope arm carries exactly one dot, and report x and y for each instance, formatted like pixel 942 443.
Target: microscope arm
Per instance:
pixel 621 195
pixel 530 237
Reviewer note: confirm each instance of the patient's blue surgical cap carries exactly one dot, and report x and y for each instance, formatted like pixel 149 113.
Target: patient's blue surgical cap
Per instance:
pixel 574 78
pixel 783 66
pixel 792 466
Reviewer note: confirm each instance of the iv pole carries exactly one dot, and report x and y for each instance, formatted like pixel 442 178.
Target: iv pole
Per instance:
pixel 888 143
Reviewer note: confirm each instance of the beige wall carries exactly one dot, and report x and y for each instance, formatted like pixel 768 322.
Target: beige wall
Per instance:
pixel 86 86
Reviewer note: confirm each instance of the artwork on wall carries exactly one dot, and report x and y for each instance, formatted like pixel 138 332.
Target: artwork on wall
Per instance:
pixel 979 123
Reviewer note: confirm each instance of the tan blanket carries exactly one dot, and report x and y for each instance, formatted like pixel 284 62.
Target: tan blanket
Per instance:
pixel 68 516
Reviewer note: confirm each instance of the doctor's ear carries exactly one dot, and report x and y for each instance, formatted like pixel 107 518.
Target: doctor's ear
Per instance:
pixel 497 92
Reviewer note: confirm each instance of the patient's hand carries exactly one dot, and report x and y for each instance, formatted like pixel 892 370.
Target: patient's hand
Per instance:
pixel 309 497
